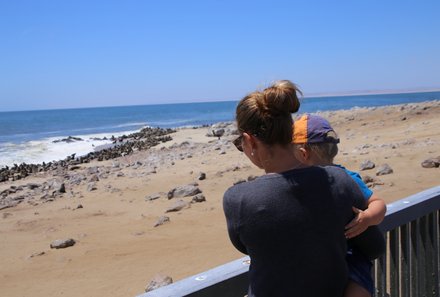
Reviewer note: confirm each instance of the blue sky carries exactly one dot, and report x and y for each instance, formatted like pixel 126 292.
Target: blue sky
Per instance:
pixel 63 54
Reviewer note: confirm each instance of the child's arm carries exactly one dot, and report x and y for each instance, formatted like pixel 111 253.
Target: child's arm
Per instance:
pixel 373 215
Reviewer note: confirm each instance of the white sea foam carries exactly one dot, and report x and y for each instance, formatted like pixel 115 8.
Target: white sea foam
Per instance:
pixel 168 123
pixel 45 150
pixel 130 125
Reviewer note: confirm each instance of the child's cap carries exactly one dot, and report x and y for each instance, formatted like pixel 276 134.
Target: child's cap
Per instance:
pixel 313 129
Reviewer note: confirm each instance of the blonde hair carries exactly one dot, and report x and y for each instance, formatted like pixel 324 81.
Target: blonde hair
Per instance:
pixel 267 114
pixel 325 152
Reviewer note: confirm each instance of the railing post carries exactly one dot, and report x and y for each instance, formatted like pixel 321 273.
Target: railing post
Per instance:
pixel 432 254
pixel 426 253
pixel 405 260
pixel 381 276
pixel 414 260
pixel 437 247
pixel 394 263
pixel 423 260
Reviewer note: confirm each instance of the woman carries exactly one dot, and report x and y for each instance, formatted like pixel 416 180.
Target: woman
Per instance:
pixel 291 220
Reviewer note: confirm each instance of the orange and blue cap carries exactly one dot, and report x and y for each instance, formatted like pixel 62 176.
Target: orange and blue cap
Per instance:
pixel 313 129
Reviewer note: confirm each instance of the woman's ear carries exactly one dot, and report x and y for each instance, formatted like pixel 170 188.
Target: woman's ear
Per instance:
pixel 250 148
pixel 248 141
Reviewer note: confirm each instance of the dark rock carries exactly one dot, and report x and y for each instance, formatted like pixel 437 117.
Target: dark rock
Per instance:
pixel 98 139
pixel 12 190
pixel 198 198
pixel 93 170
pixel 367 179
pixel 158 281
pixel 218 132
pixel 178 205
pixel 151 171
pixel 57 186
pixel 32 186
pixel 91 187
pixel 152 197
pixel 76 179
pixel 9 204
pixel 367 164
pixel 184 191
pixel 162 220
pixel 62 243
pixel 62 188
pixel 384 169
pixel 94 178
pixel 44 196
pixel 431 163
pixel 68 139
pixel 201 176
pixel 18 198
pixel 372 182
pixel 37 254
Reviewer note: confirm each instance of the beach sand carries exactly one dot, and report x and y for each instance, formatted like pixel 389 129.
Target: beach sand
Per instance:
pixel 118 251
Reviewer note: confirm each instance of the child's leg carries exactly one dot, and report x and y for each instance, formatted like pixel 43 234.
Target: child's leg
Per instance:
pixel 355 290
pixel 360 282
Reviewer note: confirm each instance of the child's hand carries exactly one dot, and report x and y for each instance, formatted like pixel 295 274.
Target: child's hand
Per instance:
pixel 359 224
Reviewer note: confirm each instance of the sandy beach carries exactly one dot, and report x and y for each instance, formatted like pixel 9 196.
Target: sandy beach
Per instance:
pixel 110 208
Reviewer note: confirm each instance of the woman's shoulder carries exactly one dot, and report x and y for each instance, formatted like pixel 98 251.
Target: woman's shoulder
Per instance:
pixel 337 172
pixel 243 186
pixel 251 188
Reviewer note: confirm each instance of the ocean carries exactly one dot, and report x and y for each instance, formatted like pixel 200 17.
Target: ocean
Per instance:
pixel 28 136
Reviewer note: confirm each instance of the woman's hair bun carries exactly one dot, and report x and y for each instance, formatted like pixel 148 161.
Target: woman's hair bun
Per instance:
pixel 267 114
pixel 281 97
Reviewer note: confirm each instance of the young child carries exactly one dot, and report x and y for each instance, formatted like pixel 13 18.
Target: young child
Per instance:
pixel 316 143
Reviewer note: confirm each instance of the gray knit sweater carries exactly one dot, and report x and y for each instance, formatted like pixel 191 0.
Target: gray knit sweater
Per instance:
pixel 292 227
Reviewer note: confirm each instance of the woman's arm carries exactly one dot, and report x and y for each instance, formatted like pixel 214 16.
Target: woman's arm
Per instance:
pixel 232 214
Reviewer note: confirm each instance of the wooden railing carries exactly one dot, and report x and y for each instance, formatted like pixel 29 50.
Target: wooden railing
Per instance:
pixel 409 268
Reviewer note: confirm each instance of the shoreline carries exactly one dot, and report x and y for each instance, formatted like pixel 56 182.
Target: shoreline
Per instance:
pixel 122 199
pixel 129 134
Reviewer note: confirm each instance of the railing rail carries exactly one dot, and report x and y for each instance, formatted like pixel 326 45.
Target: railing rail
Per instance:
pixel 409 268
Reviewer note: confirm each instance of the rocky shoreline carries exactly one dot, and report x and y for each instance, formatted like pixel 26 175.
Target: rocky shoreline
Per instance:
pixel 69 174
pixel 123 145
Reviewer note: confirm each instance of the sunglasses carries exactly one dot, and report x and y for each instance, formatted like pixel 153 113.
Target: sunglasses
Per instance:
pixel 238 142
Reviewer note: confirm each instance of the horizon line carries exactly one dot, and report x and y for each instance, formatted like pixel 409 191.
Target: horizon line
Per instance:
pixel 308 95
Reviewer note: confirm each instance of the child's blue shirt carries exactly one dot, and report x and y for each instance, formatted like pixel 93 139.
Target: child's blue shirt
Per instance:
pixel 358 179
